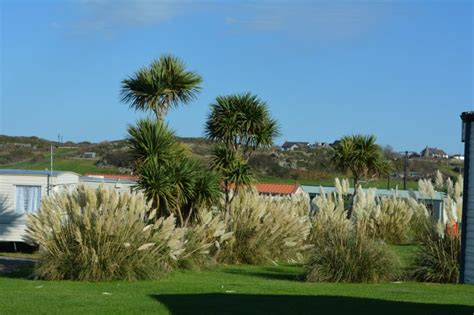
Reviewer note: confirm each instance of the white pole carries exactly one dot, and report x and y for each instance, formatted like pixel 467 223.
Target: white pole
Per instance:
pixel 51 171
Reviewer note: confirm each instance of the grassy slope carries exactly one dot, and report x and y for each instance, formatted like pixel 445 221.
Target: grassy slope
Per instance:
pixel 79 166
pixel 233 290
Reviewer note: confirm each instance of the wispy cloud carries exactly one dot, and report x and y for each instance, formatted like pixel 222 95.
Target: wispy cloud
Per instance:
pixel 325 19
pixel 111 16
pixel 330 20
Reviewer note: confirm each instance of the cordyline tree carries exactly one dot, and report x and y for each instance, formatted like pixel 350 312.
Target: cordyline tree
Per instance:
pixel 163 85
pixel 170 179
pixel 239 124
pixel 360 156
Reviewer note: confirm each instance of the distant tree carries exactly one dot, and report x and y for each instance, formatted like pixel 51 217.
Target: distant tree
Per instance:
pixel 164 84
pixel 242 123
pixel 360 156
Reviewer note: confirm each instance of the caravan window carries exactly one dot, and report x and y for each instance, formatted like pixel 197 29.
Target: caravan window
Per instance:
pixel 28 198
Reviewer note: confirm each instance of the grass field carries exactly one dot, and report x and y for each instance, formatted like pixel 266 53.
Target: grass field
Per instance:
pixel 80 166
pixel 233 290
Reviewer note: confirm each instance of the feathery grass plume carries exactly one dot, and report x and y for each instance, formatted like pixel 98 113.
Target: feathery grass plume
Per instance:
pixel 439 180
pixel 383 218
pixel 204 239
pixel 266 229
pixel 329 216
pixel 437 259
pixel 425 187
pixel 100 234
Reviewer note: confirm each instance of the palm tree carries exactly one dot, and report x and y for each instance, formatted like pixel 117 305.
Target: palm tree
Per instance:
pixel 171 181
pixel 242 123
pixel 362 157
pixel 234 171
pixel 164 84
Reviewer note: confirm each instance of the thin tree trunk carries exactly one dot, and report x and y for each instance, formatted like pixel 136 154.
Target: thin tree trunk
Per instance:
pixel 189 216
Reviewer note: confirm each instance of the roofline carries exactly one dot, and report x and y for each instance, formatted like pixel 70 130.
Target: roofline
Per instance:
pixel 467 116
pixel 46 172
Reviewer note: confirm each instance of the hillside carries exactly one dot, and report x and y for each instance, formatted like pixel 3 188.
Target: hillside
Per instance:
pixel 307 166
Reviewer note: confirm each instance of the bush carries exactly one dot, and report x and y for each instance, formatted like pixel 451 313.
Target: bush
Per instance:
pixel 101 234
pixel 348 256
pixel 342 250
pixel 266 229
pixel 437 259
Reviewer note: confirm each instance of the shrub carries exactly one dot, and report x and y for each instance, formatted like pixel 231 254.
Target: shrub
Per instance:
pixel 437 259
pixel 266 229
pixel 348 256
pixel 342 251
pixel 99 234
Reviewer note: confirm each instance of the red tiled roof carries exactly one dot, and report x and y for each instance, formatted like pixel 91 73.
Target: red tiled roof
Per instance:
pixel 114 176
pixel 276 189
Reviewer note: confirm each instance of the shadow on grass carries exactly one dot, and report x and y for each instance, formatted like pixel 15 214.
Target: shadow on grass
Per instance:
pixel 271 273
pixel 217 303
pixel 15 267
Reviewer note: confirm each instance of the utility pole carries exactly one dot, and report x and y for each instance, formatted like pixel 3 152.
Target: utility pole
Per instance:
pixel 50 177
pixel 405 171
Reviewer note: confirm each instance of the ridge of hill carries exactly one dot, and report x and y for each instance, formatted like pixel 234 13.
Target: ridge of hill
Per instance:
pixel 306 166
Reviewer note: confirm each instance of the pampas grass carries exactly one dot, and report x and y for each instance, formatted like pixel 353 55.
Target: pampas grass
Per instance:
pixel 266 229
pixel 100 234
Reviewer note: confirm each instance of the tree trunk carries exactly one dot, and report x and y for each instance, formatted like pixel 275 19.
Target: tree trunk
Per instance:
pixel 189 216
pixel 158 113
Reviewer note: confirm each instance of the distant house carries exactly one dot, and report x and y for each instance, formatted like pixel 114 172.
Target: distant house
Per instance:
pixel 291 146
pixel 321 144
pixel 21 192
pixel 89 155
pixel 433 153
pixel 274 189
pixel 458 157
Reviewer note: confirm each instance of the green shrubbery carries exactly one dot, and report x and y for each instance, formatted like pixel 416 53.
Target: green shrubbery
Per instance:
pixel 437 259
pixel 349 256
pixel 343 251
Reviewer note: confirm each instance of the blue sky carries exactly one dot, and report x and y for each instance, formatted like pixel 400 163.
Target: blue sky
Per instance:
pixel 402 70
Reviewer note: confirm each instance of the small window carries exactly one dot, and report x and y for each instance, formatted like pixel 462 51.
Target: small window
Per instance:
pixel 28 199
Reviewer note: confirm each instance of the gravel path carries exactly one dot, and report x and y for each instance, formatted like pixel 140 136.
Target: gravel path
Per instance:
pixel 10 264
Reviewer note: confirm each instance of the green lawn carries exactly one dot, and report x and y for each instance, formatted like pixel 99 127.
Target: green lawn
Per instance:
pixel 231 290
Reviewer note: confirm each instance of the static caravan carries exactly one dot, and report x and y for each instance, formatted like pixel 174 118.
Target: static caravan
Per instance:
pixel 434 203
pixel 120 183
pixel 21 192
pixel 467 229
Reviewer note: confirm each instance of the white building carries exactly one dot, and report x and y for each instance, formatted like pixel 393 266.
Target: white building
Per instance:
pixel 467 229
pixel 21 192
